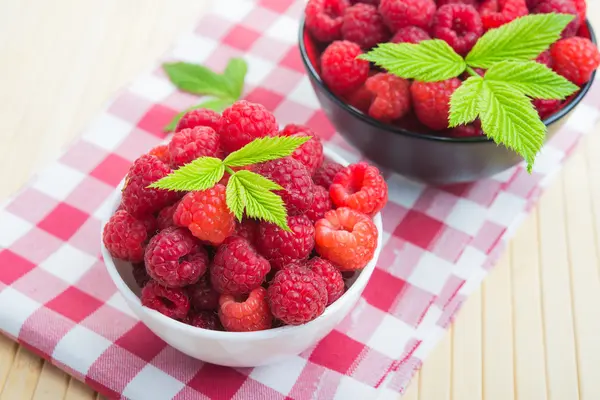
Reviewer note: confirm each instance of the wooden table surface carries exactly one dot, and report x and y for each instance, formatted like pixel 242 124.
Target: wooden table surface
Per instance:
pixel 531 333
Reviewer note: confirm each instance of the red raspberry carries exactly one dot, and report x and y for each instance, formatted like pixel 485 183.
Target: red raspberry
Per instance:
pixel 253 314
pixel 400 13
pixel 165 216
pixel 321 204
pixel 206 215
pixel 360 187
pixel 459 25
pixel 560 7
pixel 191 143
pixel 175 258
pixel 474 3
pixel 324 175
pixel 575 58
pixel 581 7
pixel 545 108
pixel 248 229
pixel 545 58
pixel 495 13
pixel 431 101
pixel 363 25
pixel 281 247
pixel 469 130
pixel 199 117
pixel 204 320
pixel 372 2
pixel 341 70
pixel 324 18
pixel 140 274
pixel 172 302
pixel 334 282
pixel 125 237
pixel 138 199
pixel 243 122
pixel 310 153
pixel 294 178
pixel 347 238
pixel 162 152
pixel 297 295
pixel 410 34
pixel 391 96
pixel 202 295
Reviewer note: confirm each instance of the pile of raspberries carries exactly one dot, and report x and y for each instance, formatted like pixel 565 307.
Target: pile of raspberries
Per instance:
pixel 343 29
pixel 197 264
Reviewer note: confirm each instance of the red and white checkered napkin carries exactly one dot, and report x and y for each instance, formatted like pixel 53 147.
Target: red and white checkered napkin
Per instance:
pixel 439 243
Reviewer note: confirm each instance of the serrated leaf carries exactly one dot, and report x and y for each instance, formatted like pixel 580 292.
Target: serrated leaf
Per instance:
pixel 197 79
pixel 428 61
pixel 200 174
pixel 264 149
pixel 217 105
pixel 532 79
pixel 235 73
pixel 256 180
pixel 464 103
pixel 522 39
pixel 234 195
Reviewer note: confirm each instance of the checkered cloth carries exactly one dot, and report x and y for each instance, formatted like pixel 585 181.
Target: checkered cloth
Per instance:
pixel 439 242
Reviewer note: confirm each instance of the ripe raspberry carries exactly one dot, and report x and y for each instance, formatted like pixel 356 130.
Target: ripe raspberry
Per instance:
pixel 294 178
pixel 321 204
pixel 495 13
pixel 431 101
pixel 203 296
pixel 324 18
pixel 310 153
pixel 347 238
pixel 191 143
pixel 125 237
pixel 199 117
pixel 324 175
pixel 545 108
pixel 474 3
pixel 560 7
pixel 248 229
pixel 400 13
pixel 545 58
pixel 204 320
pixel 165 216
pixel 341 70
pixel 206 215
pixel 172 302
pixel 459 25
pixel 137 198
pixel 575 58
pixel 391 96
pixel 297 295
pixel 243 122
pixel 140 274
pixel 162 152
pixel 469 130
pixel 360 187
pixel 363 25
pixel 281 247
pixel 175 258
pixel 372 2
pixel 581 7
pixel 410 34
pixel 253 314
pixel 334 282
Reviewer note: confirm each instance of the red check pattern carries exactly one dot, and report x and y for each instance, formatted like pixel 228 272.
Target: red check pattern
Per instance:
pixel 439 242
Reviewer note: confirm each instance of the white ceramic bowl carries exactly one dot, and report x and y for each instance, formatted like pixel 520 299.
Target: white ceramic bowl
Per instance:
pixel 239 349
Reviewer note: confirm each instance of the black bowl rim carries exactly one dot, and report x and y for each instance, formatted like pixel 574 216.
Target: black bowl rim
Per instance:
pixel 381 125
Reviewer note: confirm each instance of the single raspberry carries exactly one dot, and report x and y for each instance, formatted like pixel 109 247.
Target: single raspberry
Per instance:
pixel 334 282
pixel 410 34
pixel 237 267
pixel 137 198
pixel 204 320
pixel 191 143
pixel 243 122
pixel 206 215
pixel 324 18
pixel 581 7
pixel 202 295
pixel 310 154
pixel 469 130
pixel 321 204
pixel 495 13
pixel 297 295
pixel 324 175
pixel 165 216
pixel 140 274
pixel 575 58
pixel 441 3
pixel 431 101
pixel 363 25
pixel 199 117
pixel 281 247
pixel 391 96
pixel 162 152
pixel 175 258
pixel 459 25
pixel 546 107
pixel 252 314
pixel 347 238
pixel 361 187
pixel 400 13
pixel 341 70
pixel 172 302
pixel 545 58
pixel 125 237
pixel 560 7
pixel 372 2
pixel 248 229
pixel 294 178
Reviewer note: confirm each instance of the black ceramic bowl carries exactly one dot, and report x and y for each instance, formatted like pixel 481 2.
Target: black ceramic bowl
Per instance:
pixel 420 156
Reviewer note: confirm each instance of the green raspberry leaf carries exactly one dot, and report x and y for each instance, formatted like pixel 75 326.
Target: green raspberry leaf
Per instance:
pixel 429 61
pixel 234 196
pixel 197 79
pixel 264 149
pixel 522 39
pixel 532 79
pixel 235 73
pixel 258 181
pixel 464 103
pixel 217 105
pixel 200 174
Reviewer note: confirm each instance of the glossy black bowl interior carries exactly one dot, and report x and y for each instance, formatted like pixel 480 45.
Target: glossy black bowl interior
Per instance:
pixel 421 156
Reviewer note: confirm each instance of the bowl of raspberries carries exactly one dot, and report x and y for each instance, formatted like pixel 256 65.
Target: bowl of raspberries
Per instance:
pixel 402 124
pixel 243 292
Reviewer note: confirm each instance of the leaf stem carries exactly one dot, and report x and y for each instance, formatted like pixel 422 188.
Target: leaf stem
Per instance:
pixel 471 71
pixel 229 170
